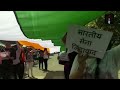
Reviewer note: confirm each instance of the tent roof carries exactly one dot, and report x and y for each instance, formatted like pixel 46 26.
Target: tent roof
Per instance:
pixel 45 25
pixel 9 28
pixel 53 24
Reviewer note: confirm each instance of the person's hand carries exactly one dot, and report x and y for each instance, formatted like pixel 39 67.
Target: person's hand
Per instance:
pixel 82 57
pixel 82 61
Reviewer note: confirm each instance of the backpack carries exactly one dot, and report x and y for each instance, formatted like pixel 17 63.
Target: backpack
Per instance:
pixel 63 58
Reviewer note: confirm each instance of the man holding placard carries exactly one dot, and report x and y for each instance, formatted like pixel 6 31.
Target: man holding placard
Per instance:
pixel 86 64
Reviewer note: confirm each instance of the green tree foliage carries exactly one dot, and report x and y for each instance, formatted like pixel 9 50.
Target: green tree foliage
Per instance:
pixel 99 24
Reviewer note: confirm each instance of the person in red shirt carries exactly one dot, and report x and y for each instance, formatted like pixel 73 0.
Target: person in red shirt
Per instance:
pixel 22 61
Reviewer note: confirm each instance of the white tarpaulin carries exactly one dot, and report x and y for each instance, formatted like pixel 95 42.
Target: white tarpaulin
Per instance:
pixel 46 44
pixel 9 28
pixel 10 31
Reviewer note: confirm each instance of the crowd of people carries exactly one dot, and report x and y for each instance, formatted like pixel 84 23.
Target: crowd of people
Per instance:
pixel 17 61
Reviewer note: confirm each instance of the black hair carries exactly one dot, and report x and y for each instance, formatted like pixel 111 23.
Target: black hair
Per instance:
pixel 45 49
pixel 2 50
pixel 15 47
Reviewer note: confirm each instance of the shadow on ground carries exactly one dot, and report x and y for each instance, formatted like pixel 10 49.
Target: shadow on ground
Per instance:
pixel 54 75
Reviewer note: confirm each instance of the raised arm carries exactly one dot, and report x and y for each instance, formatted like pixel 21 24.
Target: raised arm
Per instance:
pixel 79 61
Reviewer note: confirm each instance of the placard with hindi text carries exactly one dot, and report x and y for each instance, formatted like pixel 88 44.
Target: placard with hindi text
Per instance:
pixel 88 40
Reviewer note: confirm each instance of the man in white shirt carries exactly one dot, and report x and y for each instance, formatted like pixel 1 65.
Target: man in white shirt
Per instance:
pixel 16 62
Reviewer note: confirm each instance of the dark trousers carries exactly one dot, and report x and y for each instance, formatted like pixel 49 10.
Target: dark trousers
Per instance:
pixel 46 64
pixel 21 70
pixel 66 73
pixel 66 70
pixel 6 70
pixel 18 71
pixel 40 62
pixel 0 71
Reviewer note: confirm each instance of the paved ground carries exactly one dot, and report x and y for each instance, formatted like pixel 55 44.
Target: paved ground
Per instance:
pixel 55 70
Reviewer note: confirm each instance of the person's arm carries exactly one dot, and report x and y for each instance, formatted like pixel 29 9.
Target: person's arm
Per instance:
pixel 13 54
pixel 48 55
pixel 79 73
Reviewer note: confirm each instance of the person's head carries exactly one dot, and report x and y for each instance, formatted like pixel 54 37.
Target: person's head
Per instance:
pixel 8 45
pixel 45 49
pixel 15 47
pixel 29 49
pixel 2 49
pixel 64 38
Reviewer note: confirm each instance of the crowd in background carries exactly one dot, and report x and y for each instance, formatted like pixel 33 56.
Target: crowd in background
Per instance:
pixel 17 61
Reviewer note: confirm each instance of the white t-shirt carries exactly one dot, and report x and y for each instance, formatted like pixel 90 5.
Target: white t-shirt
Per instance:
pixel 109 65
pixel 45 56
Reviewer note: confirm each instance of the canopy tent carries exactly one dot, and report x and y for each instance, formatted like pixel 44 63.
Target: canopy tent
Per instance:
pixel 34 45
pixel 42 25
pixel 11 31
pixel 47 44
pixel 41 45
pixel 53 24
